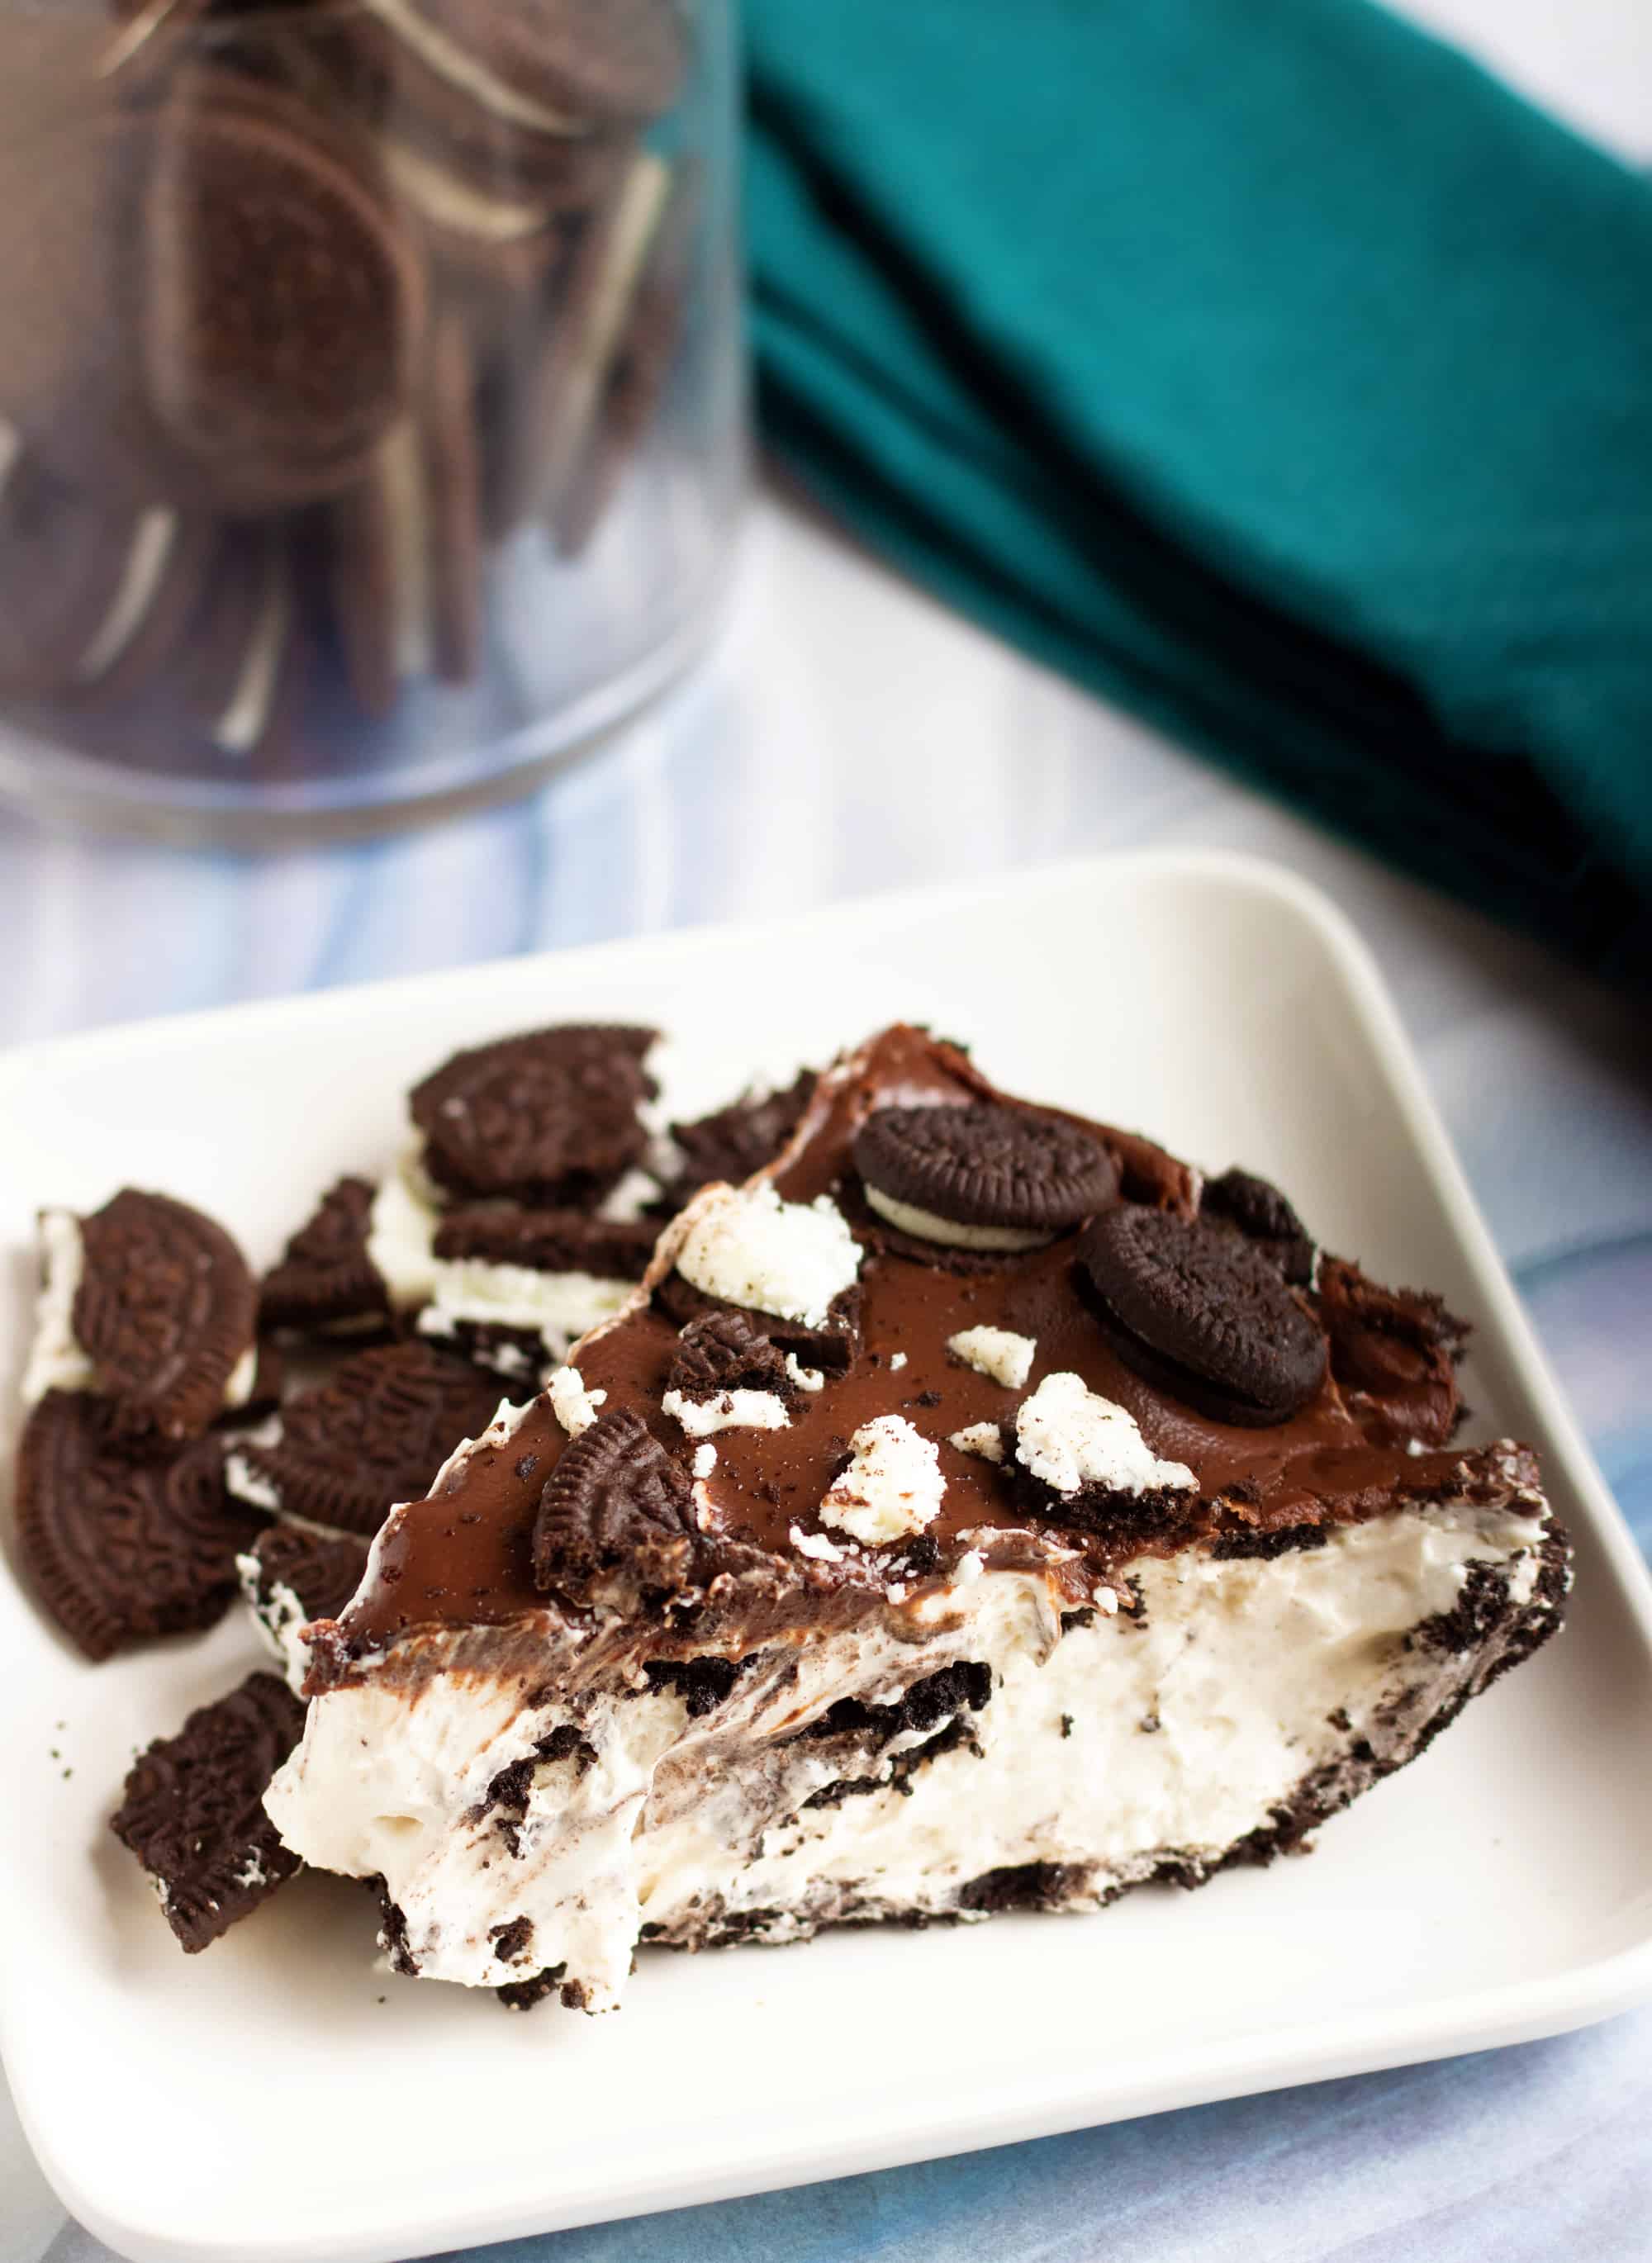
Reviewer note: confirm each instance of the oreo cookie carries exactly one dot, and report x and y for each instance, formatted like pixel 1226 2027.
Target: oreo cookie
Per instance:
pixel 292 1576
pixel 405 563
pixel 729 1351
pixel 982 1176
pixel 833 1349
pixel 192 1810
pixel 543 71
pixel 1197 1312
pixel 550 1119
pixel 325 1283
pixel 253 201
pixel 733 1142
pixel 375 1434
pixel 124 1544
pixel 165 1312
pixel 615 1528
pixel 1263 1215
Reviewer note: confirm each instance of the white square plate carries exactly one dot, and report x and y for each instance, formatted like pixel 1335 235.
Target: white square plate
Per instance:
pixel 276 2098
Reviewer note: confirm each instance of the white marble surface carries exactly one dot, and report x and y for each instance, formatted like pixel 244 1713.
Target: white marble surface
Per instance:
pixel 848 736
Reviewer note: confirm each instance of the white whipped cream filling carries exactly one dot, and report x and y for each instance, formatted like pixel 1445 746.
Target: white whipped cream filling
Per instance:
pixel 999 1353
pixel 1069 1436
pixel 281 1619
pixel 56 1362
pixel 1183 1730
pixel 726 1410
pixel 748 1248
pixel 559 1307
pixel 984 1439
pixel 401 1231
pixel 929 1226
pixel 893 1484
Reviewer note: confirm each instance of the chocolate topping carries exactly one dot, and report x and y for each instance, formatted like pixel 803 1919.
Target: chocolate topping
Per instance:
pixel 550 1117
pixel 987 1165
pixel 193 1815
pixel 164 1310
pixel 547 1240
pixel 375 1434
pixel 1263 1216
pixel 1397 1347
pixel 1330 1462
pixel 1203 1315
pixel 123 1544
pixel 616 1519
pixel 325 1275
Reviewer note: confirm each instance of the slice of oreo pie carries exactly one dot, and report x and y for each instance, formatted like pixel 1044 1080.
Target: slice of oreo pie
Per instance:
pixel 861 1569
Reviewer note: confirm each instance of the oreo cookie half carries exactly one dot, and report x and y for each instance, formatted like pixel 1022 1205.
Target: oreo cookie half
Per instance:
pixel 1200 1314
pixel 1263 1215
pixel 165 1312
pixel 549 1118
pixel 325 1282
pixel 122 1545
pixel 982 1176
pixel 374 1435
pixel 292 1576
pixel 616 1519
pixel 733 1142
pixel 192 1811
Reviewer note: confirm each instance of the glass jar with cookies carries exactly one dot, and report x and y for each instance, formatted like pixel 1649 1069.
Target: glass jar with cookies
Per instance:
pixel 371 406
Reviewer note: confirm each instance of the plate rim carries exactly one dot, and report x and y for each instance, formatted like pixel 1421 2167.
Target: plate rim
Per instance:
pixel 1503 2013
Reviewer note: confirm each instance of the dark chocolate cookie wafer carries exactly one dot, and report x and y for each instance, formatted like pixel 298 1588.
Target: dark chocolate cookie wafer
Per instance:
pixel 292 1576
pixel 255 203
pixel 1263 1216
pixel 1003 1177
pixel 547 1240
pixel 193 1815
pixel 124 1544
pixel 325 1282
pixel 374 1435
pixel 832 1349
pixel 165 1311
pixel 733 1142
pixel 1197 1311
pixel 616 1519
pixel 549 1118
pixel 729 1351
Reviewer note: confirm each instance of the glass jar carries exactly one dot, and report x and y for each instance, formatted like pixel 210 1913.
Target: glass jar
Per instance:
pixel 372 400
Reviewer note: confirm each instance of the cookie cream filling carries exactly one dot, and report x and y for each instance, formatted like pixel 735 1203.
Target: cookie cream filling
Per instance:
pixel 154 540
pixel 56 1362
pixel 246 717
pixel 470 75
pixel 402 1232
pixel 996 1352
pixel 1109 1750
pixel 929 1226
pixel 892 1487
pixel 726 1410
pixel 280 1618
pixel 451 202
pixel 558 1307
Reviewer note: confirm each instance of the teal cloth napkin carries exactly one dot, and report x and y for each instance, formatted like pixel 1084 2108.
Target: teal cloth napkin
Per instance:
pixel 1266 366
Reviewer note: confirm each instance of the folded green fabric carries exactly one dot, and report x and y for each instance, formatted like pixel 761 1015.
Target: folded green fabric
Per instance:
pixel 1266 366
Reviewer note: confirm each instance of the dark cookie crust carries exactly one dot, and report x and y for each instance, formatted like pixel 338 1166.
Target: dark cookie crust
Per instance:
pixel 1197 1312
pixel 124 1544
pixel 193 1815
pixel 374 1435
pixel 325 1275
pixel 549 1118
pixel 165 1308
pixel 986 1165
